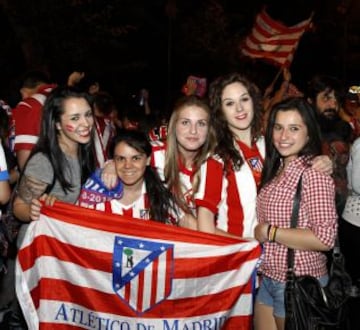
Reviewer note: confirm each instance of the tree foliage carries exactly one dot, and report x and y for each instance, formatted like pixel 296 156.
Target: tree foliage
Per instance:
pixel 128 252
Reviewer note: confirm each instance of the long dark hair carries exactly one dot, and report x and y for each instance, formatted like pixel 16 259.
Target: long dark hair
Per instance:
pixel 312 147
pixel 48 142
pixel 225 138
pixel 161 199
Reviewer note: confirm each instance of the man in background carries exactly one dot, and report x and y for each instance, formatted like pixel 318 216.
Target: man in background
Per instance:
pixel 26 115
pixel 324 93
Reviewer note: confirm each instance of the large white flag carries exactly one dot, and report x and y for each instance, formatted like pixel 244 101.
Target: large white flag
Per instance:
pixel 84 269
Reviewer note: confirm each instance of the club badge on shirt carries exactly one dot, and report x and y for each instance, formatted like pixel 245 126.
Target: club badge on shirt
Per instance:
pixel 255 164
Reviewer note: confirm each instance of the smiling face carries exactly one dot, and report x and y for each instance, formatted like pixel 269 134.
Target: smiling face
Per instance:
pixel 289 135
pixel 238 108
pixel 191 128
pixel 76 122
pixel 130 164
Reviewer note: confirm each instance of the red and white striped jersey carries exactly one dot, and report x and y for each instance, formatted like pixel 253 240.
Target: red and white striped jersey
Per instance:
pixel 27 117
pixel 186 174
pixel 158 133
pixel 104 133
pixel 139 209
pixel 230 195
pixel 158 157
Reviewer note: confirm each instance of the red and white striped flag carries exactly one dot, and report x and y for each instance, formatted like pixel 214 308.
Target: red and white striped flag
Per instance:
pixel 272 40
pixel 80 268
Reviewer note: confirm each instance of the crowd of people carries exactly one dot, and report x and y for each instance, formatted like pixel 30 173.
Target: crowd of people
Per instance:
pixel 225 162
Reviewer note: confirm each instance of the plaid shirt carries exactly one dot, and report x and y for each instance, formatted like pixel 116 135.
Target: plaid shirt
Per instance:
pixel 317 212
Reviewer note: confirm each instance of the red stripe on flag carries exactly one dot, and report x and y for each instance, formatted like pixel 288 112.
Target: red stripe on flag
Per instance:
pixel 140 291
pixel 129 226
pixel 276 42
pixel 127 291
pixel 271 23
pixel 280 27
pixel 169 272
pixel 265 30
pixel 49 246
pixel 154 282
pixel 112 304
pixel 211 265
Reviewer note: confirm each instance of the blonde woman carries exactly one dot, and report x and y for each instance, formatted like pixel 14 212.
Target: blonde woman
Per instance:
pixel 189 142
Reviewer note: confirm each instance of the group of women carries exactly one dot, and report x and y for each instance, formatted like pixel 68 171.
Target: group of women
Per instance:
pixel 221 176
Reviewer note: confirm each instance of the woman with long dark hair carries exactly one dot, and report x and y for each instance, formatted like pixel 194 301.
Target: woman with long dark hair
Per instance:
pixel 229 180
pixel 63 156
pixel 144 194
pixel 292 142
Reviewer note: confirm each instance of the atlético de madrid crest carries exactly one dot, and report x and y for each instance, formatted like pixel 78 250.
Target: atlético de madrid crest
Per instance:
pixel 142 272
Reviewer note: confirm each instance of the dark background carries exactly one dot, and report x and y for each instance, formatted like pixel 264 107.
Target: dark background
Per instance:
pixel 130 44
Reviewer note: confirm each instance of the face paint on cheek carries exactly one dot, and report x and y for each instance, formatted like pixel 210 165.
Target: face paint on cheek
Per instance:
pixel 70 128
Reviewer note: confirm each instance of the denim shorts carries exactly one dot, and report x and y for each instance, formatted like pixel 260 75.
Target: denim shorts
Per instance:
pixel 271 293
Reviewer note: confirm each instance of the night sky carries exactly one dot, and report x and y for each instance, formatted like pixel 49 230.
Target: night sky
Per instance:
pixel 157 44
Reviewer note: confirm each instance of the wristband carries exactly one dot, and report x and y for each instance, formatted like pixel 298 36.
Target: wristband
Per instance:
pixel 268 231
pixel 272 234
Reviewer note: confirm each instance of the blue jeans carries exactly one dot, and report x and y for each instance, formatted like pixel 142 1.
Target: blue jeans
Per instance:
pixel 271 293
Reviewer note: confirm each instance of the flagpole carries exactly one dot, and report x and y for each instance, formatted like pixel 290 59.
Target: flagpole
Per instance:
pixel 271 86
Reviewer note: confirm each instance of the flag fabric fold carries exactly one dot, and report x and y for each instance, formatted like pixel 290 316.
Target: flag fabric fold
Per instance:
pixel 272 40
pixel 83 269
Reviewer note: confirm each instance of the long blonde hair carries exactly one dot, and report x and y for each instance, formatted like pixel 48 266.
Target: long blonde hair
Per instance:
pixel 173 156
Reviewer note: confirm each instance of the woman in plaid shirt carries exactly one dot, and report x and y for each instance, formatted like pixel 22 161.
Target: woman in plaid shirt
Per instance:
pixel 292 141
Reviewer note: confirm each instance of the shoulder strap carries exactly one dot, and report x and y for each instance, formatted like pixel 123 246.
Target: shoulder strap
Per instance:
pixel 294 219
pixel 296 204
